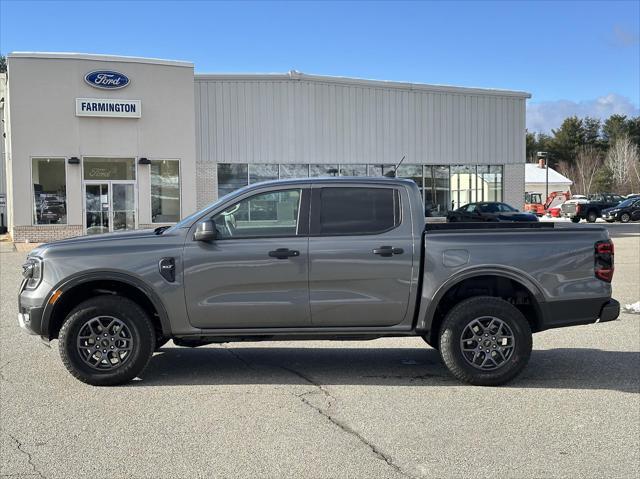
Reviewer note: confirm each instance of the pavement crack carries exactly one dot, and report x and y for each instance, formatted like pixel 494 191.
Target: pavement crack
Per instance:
pixel 312 382
pixel 343 426
pixel 29 457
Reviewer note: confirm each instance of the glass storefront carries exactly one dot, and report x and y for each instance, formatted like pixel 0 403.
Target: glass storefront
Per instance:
pixel 443 187
pixel 101 169
pixel 165 191
pixel 49 181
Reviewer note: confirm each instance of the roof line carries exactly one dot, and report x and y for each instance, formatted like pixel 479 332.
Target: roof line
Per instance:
pixel 100 57
pixel 297 76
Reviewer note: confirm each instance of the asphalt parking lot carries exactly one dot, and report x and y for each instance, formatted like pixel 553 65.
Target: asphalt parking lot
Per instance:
pixel 384 408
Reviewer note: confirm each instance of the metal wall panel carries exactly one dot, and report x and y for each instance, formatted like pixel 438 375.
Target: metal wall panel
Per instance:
pixel 260 120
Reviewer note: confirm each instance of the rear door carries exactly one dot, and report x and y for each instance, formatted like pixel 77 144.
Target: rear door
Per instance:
pixel 361 255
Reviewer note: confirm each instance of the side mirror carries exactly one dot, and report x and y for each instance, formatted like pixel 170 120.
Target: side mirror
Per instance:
pixel 205 231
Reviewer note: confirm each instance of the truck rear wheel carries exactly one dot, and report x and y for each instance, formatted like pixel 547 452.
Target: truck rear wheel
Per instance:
pixel 106 340
pixel 485 341
pixel 575 219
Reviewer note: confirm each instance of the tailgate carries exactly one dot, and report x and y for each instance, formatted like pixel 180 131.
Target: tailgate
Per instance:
pixel 568 209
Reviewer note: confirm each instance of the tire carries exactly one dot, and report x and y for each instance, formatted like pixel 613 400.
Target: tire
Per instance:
pixel 625 217
pixel 592 216
pixel 610 221
pixel 124 324
pixel 575 219
pixel 458 323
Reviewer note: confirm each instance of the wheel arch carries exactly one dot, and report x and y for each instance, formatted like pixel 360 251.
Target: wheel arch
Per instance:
pixel 77 288
pixel 513 285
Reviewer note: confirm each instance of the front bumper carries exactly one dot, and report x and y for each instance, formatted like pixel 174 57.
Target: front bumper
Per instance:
pixel 24 321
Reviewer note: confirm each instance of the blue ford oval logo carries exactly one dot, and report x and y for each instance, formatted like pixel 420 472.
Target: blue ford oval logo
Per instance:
pixel 106 79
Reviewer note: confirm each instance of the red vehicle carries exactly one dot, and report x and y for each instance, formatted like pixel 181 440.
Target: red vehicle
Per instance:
pixel 533 202
pixel 554 212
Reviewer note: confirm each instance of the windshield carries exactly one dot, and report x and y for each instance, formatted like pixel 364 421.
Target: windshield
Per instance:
pixel 191 218
pixel 626 203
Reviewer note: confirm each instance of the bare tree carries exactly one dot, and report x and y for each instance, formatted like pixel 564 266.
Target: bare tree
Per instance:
pixel 570 171
pixel 621 159
pixel 588 161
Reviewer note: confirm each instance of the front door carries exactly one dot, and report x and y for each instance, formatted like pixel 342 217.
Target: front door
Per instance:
pixel 109 206
pixel 255 273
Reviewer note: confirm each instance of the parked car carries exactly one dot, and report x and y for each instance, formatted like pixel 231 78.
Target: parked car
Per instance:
pixel 342 258
pixel 590 210
pixel 628 210
pixel 489 211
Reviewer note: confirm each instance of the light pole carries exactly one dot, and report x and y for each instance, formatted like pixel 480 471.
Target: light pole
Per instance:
pixel 543 155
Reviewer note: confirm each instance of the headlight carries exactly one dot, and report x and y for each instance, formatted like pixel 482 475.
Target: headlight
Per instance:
pixel 32 272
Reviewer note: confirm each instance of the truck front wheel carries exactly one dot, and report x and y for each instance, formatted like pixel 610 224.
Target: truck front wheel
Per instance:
pixel 106 340
pixel 592 216
pixel 485 341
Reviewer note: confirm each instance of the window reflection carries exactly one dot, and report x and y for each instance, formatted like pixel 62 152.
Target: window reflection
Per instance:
pixel 49 191
pixel 443 187
pixel 323 170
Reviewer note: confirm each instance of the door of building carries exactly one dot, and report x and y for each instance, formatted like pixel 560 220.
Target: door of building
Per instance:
pixel 109 206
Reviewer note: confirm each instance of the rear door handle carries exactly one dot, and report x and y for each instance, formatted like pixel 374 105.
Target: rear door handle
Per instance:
pixel 387 251
pixel 284 253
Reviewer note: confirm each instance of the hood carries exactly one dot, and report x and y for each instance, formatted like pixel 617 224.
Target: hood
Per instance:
pixel 516 216
pixel 101 238
pixel 611 210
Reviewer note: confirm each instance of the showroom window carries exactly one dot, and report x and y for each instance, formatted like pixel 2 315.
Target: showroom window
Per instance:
pixel 49 181
pixel 165 191
pixel 323 170
pixel 262 172
pixel 294 171
pixel 231 177
pixel 353 170
pixel 443 187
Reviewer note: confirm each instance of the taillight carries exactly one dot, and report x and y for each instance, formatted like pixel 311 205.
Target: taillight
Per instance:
pixel 604 260
pixel 577 208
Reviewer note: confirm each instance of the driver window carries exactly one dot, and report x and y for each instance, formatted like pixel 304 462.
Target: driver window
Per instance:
pixel 274 213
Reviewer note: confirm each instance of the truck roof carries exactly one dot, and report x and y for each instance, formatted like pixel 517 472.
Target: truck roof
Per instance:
pixel 333 179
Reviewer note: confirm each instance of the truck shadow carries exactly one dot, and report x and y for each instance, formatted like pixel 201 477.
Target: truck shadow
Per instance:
pixel 565 368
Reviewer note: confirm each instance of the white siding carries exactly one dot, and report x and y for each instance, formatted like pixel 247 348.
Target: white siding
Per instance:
pixel 283 120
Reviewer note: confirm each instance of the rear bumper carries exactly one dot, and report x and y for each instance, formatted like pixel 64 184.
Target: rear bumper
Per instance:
pixel 609 312
pixel 560 314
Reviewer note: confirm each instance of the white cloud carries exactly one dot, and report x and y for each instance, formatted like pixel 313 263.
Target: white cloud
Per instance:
pixel 543 116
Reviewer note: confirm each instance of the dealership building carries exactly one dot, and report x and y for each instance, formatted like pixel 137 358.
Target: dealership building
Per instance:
pixel 96 143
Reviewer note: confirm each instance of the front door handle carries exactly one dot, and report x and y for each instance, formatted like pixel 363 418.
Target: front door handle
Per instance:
pixel 284 253
pixel 387 251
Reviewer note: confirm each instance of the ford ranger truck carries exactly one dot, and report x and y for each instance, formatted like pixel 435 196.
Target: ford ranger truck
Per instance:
pixel 316 258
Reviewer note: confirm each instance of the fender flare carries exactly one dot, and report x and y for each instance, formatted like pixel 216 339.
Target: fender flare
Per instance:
pixel 102 275
pixel 425 321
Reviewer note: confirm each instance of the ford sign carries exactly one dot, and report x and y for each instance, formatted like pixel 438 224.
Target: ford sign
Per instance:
pixel 107 80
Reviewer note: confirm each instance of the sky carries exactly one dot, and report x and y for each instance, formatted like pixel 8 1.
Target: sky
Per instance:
pixel 575 57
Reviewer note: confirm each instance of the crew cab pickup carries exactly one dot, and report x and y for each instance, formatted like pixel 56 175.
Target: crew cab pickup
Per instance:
pixel 320 258
pixel 590 210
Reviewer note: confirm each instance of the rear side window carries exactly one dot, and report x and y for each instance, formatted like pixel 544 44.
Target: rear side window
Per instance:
pixel 356 211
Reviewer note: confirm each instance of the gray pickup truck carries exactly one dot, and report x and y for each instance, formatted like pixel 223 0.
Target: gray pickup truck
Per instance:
pixel 322 258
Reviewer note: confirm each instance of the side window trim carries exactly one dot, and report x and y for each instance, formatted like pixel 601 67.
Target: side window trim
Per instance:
pixel 302 227
pixel 316 195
